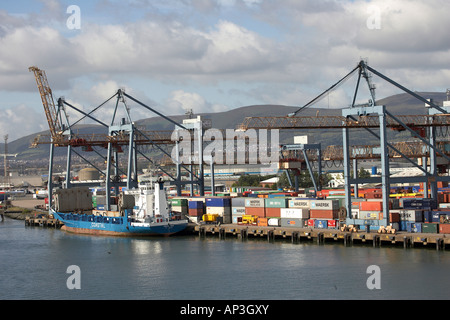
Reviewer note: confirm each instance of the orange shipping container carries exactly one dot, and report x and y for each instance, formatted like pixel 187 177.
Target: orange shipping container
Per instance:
pixel 273 212
pixel 371 205
pixel 255 211
pixel 262 222
pixel 323 214
pixel 444 228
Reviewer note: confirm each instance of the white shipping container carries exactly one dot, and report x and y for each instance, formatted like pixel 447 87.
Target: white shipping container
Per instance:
pixel 273 222
pixel 299 203
pixel 238 210
pixel 238 202
pixel 254 202
pixel 325 204
pixel 294 213
pixel 180 209
pixel 411 215
pixel 221 211
pixel 355 213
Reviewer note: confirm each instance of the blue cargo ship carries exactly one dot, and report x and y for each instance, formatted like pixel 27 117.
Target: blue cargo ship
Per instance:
pixel 142 212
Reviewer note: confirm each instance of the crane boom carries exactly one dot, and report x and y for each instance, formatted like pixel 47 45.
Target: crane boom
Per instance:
pixel 47 101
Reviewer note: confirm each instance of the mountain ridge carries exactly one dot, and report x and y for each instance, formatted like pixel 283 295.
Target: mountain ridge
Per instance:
pixel 402 103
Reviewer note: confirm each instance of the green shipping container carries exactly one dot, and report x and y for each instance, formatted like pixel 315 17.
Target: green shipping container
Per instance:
pixel 276 202
pixel 179 202
pixel 430 227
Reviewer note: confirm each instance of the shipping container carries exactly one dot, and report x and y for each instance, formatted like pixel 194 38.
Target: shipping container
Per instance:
pixel 418 203
pixel 235 219
pixel 324 214
pixel 196 212
pixel 430 227
pixel 238 210
pixel 292 222
pixel 411 215
pixel 299 203
pixel 178 202
pixel 221 211
pixel 275 203
pixel 325 204
pixel 273 222
pixel 394 216
pixel 294 213
pixel 321 224
pixel 195 205
pixel 254 203
pixel 370 215
pixel 332 224
pixel 273 212
pixel 255 211
pixel 238 202
pixel 179 209
pixel 218 202
pixel 415 227
pixel 310 222
pixel 262 222
pixel 371 206
pixel 444 228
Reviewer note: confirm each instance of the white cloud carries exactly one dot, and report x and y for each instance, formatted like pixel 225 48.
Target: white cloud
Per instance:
pixel 182 46
pixel 20 121
pixel 181 102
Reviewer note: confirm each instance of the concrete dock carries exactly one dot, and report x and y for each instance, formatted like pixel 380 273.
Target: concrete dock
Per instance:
pixel 322 236
pixel 43 222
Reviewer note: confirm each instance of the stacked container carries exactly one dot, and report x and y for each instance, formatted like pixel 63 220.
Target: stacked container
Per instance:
pixel 219 206
pixel 237 208
pixel 294 217
pixel 179 205
pixel 324 209
pixel 273 206
pixel 196 210
pixel 255 207
pixel 370 210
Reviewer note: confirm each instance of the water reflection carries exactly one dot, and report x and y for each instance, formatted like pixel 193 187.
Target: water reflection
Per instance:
pixel 190 267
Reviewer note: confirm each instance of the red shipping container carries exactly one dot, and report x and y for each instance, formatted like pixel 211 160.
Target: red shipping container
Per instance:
pixel 371 205
pixel 444 228
pixel 323 214
pixel 255 211
pixel 196 212
pixel 273 212
pixel 311 223
pixel 331 223
pixel 393 216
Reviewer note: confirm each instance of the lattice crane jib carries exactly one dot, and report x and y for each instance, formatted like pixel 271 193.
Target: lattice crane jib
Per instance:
pixel 48 102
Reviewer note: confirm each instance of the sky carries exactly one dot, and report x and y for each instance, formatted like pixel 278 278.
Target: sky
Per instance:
pixel 212 55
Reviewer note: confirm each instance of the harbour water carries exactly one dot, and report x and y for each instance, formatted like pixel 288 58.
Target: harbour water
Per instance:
pixel 34 265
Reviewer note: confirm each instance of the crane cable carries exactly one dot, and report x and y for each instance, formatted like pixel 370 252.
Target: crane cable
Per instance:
pixel 320 96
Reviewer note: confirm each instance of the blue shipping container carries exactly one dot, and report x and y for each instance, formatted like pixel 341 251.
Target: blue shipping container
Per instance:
pixel 218 202
pixel 414 227
pixel 419 203
pixel 195 204
pixel 402 225
pixel 321 224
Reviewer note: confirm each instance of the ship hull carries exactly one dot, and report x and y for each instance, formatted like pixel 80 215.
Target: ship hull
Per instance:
pixel 116 226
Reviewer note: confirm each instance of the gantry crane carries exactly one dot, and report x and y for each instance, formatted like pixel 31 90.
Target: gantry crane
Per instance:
pixel 369 117
pixel 119 134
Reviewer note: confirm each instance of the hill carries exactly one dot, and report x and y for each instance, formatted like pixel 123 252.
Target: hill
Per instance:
pixel 230 119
